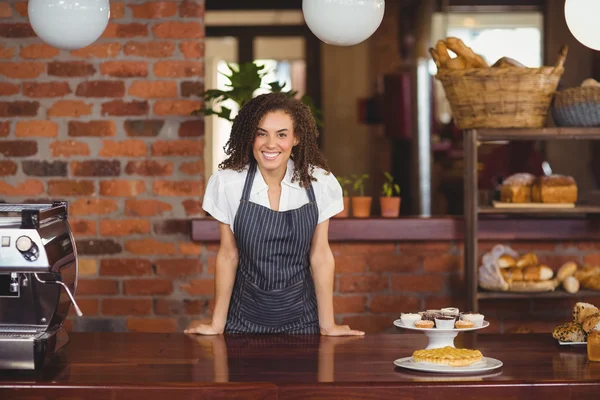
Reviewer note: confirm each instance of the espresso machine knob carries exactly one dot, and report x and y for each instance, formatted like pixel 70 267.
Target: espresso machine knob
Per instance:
pixel 28 248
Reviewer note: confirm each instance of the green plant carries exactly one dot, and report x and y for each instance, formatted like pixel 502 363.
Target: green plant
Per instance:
pixel 343 181
pixel 390 187
pixel 244 81
pixel 359 183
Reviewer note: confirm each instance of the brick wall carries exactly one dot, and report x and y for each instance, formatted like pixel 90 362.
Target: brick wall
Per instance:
pixel 108 129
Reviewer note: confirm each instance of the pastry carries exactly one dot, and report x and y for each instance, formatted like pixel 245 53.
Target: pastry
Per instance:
pixel 506 261
pixel 571 284
pixel 424 324
pixel 517 188
pixel 591 282
pixel 569 332
pixel 527 260
pixel 448 356
pixel 409 319
pixel 586 271
pixel 567 270
pixel 554 189
pixel 445 322
pixel 450 311
pixel 476 318
pixel 582 310
pixel 473 60
pixel 591 322
pixel 464 324
pixel 512 274
pixel 538 273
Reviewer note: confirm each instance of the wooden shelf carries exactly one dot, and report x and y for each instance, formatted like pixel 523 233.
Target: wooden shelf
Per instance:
pixel 486 135
pixel 581 209
pixel 557 294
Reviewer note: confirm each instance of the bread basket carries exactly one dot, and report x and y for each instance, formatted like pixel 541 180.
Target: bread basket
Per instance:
pixel 578 106
pixel 501 97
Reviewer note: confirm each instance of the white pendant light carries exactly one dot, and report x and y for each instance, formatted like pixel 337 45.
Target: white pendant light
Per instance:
pixel 582 20
pixel 69 24
pixel 343 22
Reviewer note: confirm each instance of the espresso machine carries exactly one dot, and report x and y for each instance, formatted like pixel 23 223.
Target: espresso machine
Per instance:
pixel 38 279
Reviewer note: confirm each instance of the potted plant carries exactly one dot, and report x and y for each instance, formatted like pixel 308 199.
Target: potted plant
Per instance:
pixel 390 205
pixel 361 204
pixel 343 183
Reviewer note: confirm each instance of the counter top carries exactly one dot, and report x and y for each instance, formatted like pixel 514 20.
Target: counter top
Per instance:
pixel 152 366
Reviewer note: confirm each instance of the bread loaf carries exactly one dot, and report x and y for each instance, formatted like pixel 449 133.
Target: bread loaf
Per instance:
pixel 591 282
pixel 527 260
pixel 569 332
pixel 517 188
pixel 506 261
pixel 583 310
pixel 537 273
pixel 507 62
pixel 554 189
pixel 571 284
pixel 567 270
pixel 591 322
pixel 512 274
pixel 586 271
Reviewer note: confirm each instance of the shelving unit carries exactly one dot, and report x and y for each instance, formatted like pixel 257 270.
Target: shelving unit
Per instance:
pixel 473 138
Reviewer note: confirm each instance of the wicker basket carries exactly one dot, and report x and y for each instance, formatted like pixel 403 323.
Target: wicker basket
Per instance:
pixel 501 97
pixel 578 106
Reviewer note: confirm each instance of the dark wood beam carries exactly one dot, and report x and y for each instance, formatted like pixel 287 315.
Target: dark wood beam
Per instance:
pixel 231 5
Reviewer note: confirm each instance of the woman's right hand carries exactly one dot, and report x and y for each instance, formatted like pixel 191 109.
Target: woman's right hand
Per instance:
pixel 203 328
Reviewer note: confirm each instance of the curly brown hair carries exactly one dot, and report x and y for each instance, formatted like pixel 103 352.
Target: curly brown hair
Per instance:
pixel 306 154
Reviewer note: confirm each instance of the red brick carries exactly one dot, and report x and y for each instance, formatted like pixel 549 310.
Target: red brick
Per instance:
pixel 96 287
pixel 146 208
pixel 36 129
pixel 39 51
pixel 172 227
pixel 394 304
pixel 191 9
pixel 21 8
pixel 70 69
pixel 179 267
pixel 8 89
pixel 144 128
pixel 593 259
pixel 16 30
pixel 369 248
pixel 199 287
pixel 155 325
pixel 153 89
pixel 150 49
pixel 96 168
pixel 425 247
pixel 349 304
pixel 350 264
pixel 5 10
pixel 92 206
pixel 18 148
pixel 127 306
pixel 98 247
pixel 179 307
pixel 533 245
pixel 193 168
pixel 92 128
pixel 191 89
pixel 178 188
pixel 125 148
pixel 154 10
pixel 45 89
pixel 212 247
pixel 582 245
pixel 7 52
pixel 69 148
pixel 194 208
pixel 178 69
pixel 69 108
pixel 70 188
pixel 363 283
pixel 19 108
pixel 442 263
pixel 369 323
pixel 22 70
pixel 98 50
pixel 84 227
pixel 117 10
pixel 211 265
pixel 4 128
pixel 114 30
pixel 124 69
pixel 149 168
pixel 7 168
pixel 101 89
pixel 44 168
pixel 192 49
pixel 394 263
pixel 122 188
pixel 125 108
pixel 178 30
pixel 149 246
pixel 149 286
pixel 417 283
pixel 192 128
pixel 124 227
pixel 189 148
pixel 176 107
pixel 30 187
pixel 125 267
pixel 89 307
pixel 190 249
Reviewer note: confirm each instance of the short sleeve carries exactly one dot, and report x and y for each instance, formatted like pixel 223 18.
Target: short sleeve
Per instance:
pixel 331 201
pixel 215 200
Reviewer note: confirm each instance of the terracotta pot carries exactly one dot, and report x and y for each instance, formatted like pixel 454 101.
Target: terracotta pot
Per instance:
pixel 346 211
pixel 390 206
pixel 361 206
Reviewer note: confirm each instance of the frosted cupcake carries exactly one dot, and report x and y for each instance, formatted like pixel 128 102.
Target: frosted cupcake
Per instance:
pixel 476 318
pixel 409 319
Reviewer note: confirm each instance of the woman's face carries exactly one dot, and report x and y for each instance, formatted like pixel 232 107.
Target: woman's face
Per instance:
pixel 274 141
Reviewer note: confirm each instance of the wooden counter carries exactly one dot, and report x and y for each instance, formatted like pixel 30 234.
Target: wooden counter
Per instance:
pixel 161 366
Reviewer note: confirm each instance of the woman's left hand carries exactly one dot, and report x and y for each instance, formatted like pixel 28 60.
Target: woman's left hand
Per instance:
pixel 340 330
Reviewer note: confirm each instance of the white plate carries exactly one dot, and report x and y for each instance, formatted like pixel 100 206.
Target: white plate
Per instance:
pixel 399 324
pixel 572 343
pixel 486 364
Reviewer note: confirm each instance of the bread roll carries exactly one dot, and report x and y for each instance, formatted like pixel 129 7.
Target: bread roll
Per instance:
pixel 567 270
pixel 586 271
pixel 507 62
pixel 464 51
pixel 571 284
pixel 527 260
pixel 591 282
pixel 554 189
pixel 512 274
pixel 517 188
pixel 537 273
pixel 590 323
pixel 506 261
pixel 569 332
pixel 583 310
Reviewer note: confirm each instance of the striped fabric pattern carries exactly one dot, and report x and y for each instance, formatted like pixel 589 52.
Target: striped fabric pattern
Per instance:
pixel 273 290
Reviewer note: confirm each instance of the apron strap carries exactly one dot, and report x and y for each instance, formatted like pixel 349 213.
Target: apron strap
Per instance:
pixel 311 194
pixel 249 181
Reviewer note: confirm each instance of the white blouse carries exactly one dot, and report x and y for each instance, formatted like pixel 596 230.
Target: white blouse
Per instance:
pixel 224 192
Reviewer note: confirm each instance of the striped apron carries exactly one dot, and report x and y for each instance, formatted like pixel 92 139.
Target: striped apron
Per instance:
pixel 273 290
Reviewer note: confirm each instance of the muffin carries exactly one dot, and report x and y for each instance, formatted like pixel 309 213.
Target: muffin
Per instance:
pixel 464 324
pixel 424 324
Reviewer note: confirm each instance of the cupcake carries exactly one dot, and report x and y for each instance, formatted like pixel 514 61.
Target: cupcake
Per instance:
pixel 444 322
pixel 464 324
pixel 409 319
pixel 476 318
pixel 424 324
